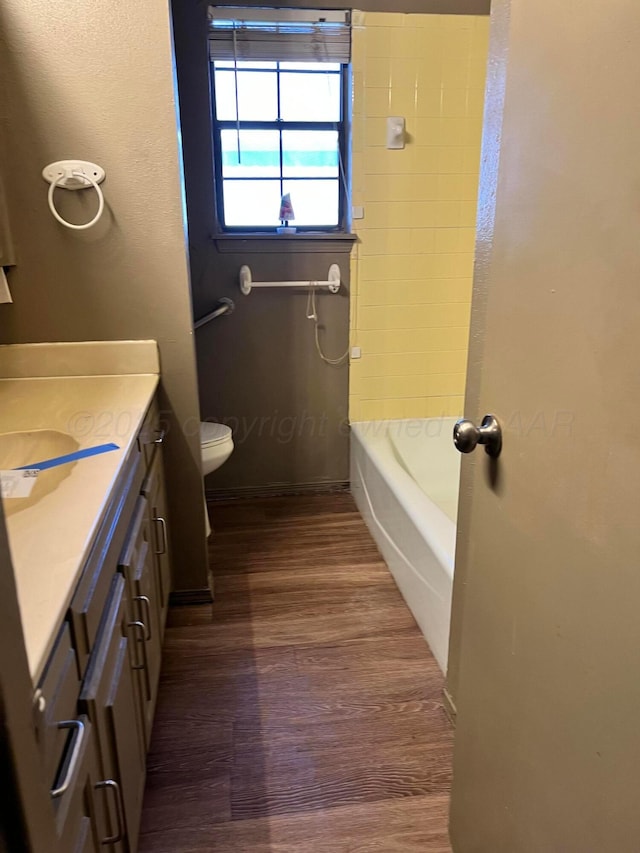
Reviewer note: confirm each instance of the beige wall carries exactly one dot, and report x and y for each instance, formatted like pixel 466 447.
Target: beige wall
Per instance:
pixel 413 264
pixel 94 80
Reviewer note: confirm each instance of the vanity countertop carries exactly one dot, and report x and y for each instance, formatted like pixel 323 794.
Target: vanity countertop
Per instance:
pixel 51 538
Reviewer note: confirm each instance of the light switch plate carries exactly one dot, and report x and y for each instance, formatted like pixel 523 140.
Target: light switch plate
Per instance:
pixel 395 132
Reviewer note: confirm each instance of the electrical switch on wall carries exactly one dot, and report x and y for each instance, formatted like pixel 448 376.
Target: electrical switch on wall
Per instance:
pixel 395 132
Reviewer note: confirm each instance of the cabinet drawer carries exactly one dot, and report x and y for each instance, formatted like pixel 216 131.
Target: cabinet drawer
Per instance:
pixel 151 433
pixel 148 611
pixel 74 808
pixel 154 491
pixel 58 691
pixel 137 537
pixel 92 592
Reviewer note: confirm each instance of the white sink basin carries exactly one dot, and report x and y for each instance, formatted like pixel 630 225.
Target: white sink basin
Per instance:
pixel 18 449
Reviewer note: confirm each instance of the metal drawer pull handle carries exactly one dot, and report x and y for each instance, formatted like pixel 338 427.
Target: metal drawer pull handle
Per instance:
pixel 76 747
pixel 140 626
pixel 163 525
pixel 112 785
pixel 147 604
pixel 161 435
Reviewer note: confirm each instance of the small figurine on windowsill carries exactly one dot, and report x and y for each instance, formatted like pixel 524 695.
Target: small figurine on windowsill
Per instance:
pixel 286 215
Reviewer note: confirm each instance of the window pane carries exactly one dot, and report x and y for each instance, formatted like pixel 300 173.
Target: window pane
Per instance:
pixel 314 202
pixel 257 95
pixel 225 96
pixel 310 66
pixel 259 154
pixel 251 203
pixel 309 97
pixel 229 64
pixel 310 153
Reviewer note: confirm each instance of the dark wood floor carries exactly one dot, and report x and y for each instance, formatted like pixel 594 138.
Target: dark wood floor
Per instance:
pixel 306 715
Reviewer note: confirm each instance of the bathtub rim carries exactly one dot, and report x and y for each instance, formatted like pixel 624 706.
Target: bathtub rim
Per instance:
pixel 430 520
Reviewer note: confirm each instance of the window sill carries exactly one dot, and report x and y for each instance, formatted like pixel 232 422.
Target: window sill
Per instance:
pixel 304 241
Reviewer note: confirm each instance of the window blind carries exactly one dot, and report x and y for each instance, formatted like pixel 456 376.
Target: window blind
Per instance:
pixel 284 35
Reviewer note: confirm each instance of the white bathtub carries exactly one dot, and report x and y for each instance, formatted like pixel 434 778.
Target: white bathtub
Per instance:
pixel 404 478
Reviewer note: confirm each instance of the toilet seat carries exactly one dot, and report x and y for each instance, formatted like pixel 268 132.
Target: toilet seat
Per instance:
pixel 216 446
pixel 212 434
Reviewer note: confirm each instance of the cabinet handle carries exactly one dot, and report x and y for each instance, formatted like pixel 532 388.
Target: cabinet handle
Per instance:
pixel 144 599
pixel 79 730
pixel 161 435
pixel 140 626
pixel 163 526
pixel 112 785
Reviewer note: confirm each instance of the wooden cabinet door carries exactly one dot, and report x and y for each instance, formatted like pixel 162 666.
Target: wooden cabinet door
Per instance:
pixel 138 567
pixel 85 841
pixel 154 491
pixel 109 698
pixel 121 708
pixel 147 613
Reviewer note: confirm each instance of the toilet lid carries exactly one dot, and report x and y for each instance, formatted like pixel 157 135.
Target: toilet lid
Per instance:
pixel 213 434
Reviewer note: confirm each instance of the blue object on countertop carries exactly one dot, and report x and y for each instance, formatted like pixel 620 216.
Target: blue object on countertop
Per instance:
pixel 70 457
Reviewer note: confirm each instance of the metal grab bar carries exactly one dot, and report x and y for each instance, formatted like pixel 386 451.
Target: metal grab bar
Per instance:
pixel 247 283
pixel 224 306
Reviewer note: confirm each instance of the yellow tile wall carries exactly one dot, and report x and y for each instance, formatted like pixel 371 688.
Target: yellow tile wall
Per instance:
pixel 412 267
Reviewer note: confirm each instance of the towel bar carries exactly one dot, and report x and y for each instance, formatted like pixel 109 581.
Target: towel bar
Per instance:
pixel 332 283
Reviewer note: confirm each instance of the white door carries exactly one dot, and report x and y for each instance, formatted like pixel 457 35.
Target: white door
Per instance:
pixel 545 646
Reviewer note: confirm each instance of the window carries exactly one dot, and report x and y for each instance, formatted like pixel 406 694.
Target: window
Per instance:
pixel 279 120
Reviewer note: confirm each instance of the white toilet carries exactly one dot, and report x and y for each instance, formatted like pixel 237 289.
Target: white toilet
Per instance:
pixel 216 446
pixel 216 443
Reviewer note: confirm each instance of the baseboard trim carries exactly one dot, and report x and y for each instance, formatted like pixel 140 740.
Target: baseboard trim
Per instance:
pixel 449 707
pixel 182 597
pixel 278 490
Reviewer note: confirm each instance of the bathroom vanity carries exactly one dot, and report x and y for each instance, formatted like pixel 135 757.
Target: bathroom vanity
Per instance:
pixel 91 557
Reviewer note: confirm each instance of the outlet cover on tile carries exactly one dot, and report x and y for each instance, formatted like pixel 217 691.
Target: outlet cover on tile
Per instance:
pixel 357 212
pixel 356 352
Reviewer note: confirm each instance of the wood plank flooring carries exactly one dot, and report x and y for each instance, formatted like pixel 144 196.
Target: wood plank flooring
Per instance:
pixel 304 715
